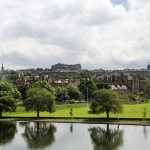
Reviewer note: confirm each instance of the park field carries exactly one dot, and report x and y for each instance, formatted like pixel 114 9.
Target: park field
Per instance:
pixel 81 110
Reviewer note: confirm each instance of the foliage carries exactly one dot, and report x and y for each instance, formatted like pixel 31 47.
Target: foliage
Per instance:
pixel 134 98
pixel 73 92
pixel 13 76
pixel 61 94
pixel 124 98
pixel 106 101
pixel 45 85
pixel 23 91
pixel 147 89
pixel 85 87
pixel 39 99
pixel 8 96
pixel 102 86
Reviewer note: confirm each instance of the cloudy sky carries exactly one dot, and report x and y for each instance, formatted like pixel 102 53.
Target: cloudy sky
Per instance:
pixel 109 34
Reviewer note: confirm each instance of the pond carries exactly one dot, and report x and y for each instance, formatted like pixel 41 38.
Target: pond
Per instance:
pixel 72 136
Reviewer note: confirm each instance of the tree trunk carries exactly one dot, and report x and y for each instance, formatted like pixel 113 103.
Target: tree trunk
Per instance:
pixel 0 114
pixel 38 112
pixel 107 115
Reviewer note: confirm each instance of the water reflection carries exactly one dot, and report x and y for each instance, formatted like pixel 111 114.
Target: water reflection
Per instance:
pixel 145 132
pixel 71 127
pixel 7 132
pixel 106 139
pixel 39 135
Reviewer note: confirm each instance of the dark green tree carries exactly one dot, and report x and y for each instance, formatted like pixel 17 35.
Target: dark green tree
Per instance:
pixel 40 135
pixel 45 85
pixel 61 94
pixel 85 87
pixel 23 90
pixel 73 92
pixel 106 101
pixel 39 99
pixel 7 132
pixel 13 76
pixel 106 139
pixel 8 96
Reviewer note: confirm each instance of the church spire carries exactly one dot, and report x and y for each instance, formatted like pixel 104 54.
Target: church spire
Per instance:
pixel 2 68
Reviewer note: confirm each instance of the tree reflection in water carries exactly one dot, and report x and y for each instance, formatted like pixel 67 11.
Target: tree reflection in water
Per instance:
pixel 106 139
pixel 39 135
pixel 7 132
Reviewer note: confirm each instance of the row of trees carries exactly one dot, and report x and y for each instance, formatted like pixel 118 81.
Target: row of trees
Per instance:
pixel 41 97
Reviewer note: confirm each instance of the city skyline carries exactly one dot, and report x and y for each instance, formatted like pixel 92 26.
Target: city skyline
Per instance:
pixel 108 34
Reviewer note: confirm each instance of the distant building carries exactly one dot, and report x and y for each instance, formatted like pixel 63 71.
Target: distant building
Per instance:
pixel 148 66
pixel 2 75
pixel 66 67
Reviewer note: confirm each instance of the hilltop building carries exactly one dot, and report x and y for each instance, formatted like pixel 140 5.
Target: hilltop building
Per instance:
pixel 66 67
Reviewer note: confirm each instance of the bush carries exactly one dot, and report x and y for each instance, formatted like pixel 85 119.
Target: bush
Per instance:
pixel 72 101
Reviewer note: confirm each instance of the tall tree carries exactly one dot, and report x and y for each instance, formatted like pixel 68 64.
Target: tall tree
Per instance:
pixel 106 101
pixel 45 85
pixel 8 96
pixel 73 92
pixel 61 94
pixel 87 88
pixel 39 99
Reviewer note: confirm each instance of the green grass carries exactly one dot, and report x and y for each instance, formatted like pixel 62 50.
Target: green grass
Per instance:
pixel 80 110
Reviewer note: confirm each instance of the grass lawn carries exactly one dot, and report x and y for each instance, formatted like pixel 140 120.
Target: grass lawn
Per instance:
pixel 80 110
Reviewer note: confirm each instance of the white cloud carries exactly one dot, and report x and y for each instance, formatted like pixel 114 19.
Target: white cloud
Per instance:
pixel 94 33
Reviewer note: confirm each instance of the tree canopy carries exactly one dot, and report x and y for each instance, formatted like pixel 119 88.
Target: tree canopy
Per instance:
pixel 39 99
pixel 61 94
pixel 8 96
pixel 87 86
pixel 73 92
pixel 45 85
pixel 106 101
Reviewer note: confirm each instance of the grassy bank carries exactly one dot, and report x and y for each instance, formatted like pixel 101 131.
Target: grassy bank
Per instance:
pixel 81 110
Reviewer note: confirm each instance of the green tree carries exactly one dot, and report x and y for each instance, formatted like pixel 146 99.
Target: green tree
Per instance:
pixel 106 101
pixel 45 85
pixel 13 76
pixel 73 92
pixel 8 96
pixel 39 99
pixel 85 87
pixel 61 94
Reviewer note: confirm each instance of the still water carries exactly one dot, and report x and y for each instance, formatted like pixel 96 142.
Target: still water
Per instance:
pixel 61 136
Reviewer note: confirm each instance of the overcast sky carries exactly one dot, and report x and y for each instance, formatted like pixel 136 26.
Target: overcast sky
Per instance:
pixel 108 34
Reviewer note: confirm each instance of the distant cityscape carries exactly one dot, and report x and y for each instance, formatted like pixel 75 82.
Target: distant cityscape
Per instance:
pixel 127 80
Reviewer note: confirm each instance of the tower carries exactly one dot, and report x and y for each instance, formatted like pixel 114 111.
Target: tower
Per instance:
pixel 2 68
pixel 2 75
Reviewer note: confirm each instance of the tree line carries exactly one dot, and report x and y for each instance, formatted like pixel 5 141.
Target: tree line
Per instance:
pixel 41 96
